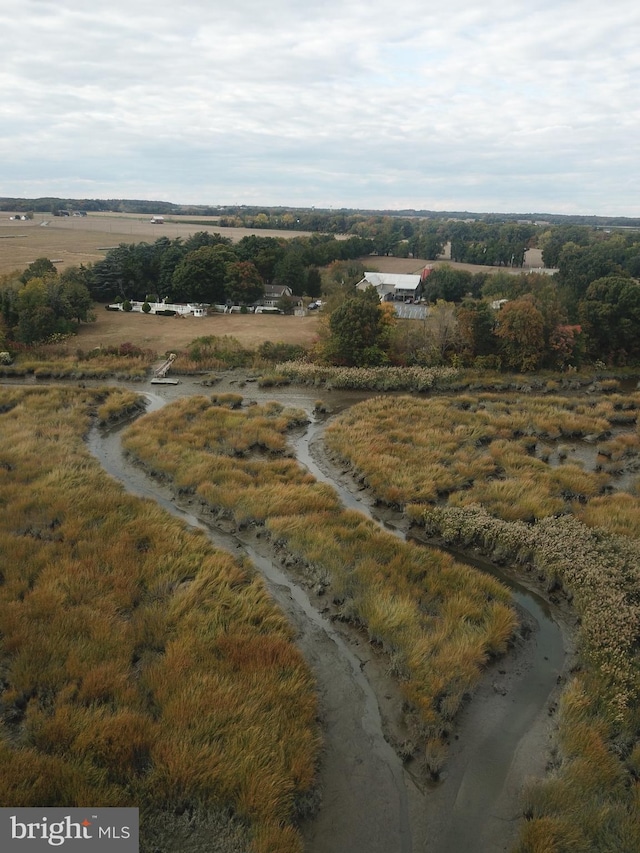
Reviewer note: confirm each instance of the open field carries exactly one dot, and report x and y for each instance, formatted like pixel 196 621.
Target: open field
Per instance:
pixel 170 333
pixel 72 240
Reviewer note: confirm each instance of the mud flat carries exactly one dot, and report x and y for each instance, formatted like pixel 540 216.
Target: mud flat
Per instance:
pixel 369 799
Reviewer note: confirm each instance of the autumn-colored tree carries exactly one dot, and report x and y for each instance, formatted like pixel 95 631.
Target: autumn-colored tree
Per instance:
pixel 520 329
pixel 243 283
pixel 565 345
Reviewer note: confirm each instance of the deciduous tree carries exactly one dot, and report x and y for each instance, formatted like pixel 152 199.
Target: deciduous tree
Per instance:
pixel 359 331
pixel 520 328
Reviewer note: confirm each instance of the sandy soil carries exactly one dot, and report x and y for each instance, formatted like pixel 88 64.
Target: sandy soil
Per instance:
pixel 166 333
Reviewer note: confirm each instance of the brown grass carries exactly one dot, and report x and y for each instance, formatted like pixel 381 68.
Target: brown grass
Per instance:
pixel 165 334
pixel 139 665
pixel 439 620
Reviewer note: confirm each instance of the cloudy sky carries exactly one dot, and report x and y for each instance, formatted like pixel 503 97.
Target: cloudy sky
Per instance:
pixel 501 105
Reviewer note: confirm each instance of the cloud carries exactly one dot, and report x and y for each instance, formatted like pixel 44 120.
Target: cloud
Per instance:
pixel 532 106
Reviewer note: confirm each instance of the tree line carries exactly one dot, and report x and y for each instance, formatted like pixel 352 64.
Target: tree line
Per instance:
pixel 587 312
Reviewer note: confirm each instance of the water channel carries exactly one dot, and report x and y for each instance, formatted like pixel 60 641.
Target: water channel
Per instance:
pixel 371 801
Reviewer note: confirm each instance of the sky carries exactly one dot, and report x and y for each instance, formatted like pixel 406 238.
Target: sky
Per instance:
pixel 501 106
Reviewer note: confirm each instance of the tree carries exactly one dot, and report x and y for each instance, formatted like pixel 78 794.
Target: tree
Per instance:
pixel 610 314
pixel 565 345
pixel 442 331
pixel 290 271
pixel 359 331
pixel 40 268
pixel 201 275
pixel 264 252
pixel 243 284
pixel 79 301
pixel 520 329
pixel 314 282
pixel 448 284
pixel 36 318
pixel 476 320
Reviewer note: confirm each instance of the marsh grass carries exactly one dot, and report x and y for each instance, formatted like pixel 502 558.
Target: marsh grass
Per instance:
pixel 558 521
pixel 592 795
pixel 405 597
pixel 479 450
pixel 212 352
pixel 139 665
pixel 60 362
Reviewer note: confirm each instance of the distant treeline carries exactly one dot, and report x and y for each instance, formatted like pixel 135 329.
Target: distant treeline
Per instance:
pixel 342 220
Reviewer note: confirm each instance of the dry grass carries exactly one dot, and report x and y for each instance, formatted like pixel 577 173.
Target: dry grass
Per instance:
pixel 139 665
pixel 485 444
pixel 440 621
pixel 479 450
pixel 84 240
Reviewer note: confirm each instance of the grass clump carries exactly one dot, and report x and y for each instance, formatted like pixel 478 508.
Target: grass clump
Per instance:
pixel 560 523
pixel 479 449
pixel 140 666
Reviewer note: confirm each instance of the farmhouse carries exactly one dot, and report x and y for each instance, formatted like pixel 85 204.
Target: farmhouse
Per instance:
pixel 274 292
pixel 392 286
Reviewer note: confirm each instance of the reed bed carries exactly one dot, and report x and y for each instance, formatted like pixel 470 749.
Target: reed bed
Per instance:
pixel 140 666
pixel 439 621
pixel 368 378
pixel 126 362
pixel 590 799
pixel 212 352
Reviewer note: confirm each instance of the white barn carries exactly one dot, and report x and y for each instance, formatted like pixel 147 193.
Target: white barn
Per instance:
pixel 392 286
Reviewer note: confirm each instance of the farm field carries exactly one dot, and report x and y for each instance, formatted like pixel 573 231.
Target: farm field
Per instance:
pixel 73 240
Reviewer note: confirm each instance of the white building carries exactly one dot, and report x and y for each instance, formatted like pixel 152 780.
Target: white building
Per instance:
pixel 392 286
pixel 194 309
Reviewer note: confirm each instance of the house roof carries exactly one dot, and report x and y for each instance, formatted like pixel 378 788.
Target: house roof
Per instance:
pixel 276 289
pixel 397 281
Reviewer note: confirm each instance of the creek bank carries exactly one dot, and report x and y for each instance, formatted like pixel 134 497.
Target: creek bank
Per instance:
pixel 482 824
pixel 366 801
pixel 506 735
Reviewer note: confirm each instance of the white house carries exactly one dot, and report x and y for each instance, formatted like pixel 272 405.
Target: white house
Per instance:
pixel 391 286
